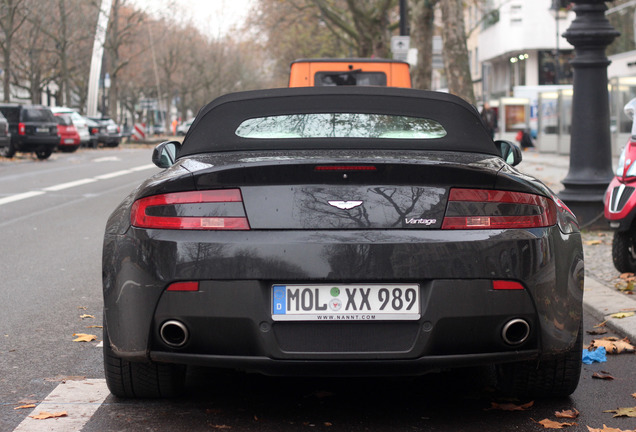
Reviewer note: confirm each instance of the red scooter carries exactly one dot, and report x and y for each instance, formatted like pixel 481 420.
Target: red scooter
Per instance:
pixel 620 203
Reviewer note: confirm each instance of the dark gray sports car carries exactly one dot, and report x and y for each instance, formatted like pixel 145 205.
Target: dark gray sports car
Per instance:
pixel 341 231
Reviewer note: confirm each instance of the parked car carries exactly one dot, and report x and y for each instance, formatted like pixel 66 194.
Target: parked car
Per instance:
pixel 69 136
pixel 341 231
pixel 5 135
pixel 33 128
pixel 94 132
pixel 78 121
pixel 109 133
pixel 183 128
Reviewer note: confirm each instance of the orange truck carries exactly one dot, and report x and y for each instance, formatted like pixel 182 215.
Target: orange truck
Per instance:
pixel 353 72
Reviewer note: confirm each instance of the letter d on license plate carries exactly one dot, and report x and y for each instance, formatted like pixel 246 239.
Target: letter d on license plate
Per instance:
pixel 346 302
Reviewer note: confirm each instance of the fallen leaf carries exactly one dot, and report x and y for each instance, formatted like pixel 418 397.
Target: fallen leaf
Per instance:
pixel 98 326
pixel 328 424
pixel 602 375
pixel 623 412
pixel 86 316
pixel 607 429
pixel 613 346
pixel 571 414
pixel 510 406
pixel 82 307
pixel 621 315
pixel 46 415
pixel 634 395
pixel 597 332
pixel 602 324
pixel 626 276
pixel 25 406
pixel 83 337
pixel 551 424
pixel 592 242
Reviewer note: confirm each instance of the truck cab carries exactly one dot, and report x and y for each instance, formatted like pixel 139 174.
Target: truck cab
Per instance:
pixel 349 72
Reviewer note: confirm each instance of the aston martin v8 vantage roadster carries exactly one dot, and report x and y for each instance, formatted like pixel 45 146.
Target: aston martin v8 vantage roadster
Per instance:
pixel 341 232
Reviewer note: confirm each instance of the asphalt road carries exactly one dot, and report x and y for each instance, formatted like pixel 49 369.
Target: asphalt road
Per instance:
pixel 52 216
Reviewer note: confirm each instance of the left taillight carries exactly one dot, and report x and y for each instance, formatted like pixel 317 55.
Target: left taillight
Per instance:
pixel 220 209
pixel 494 209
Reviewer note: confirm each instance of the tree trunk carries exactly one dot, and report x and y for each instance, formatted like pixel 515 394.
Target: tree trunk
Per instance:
pixel 456 62
pixel 423 30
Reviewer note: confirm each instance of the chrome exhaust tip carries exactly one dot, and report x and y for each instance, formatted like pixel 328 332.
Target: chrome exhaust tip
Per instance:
pixel 515 331
pixel 174 333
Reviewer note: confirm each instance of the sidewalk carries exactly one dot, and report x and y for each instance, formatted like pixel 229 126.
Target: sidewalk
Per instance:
pixel 601 298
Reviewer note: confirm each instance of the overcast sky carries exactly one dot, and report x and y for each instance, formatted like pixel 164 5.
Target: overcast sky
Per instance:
pixel 212 17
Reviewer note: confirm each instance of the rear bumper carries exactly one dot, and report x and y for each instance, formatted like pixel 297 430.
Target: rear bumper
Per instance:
pixel 33 143
pixel 335 368
pixel 230 318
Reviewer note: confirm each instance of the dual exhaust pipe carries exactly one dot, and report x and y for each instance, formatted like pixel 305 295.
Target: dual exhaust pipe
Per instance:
pixel 515 331
pixel 175 334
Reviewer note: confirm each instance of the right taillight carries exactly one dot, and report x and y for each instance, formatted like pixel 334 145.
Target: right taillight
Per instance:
pixel 21 129
pixel 494 209
pixel 220 209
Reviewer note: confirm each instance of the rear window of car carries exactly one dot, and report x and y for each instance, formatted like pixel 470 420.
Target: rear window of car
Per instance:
pixel 64 119
pixel 340 125
pixel 349 78
pixel 37 115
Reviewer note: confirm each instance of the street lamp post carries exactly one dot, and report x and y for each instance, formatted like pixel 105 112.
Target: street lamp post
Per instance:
pixel 590 149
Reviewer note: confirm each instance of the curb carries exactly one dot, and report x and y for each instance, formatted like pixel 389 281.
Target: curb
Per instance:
pixel 601 302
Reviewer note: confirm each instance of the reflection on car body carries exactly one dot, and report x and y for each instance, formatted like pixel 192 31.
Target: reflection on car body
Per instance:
pixel 341 231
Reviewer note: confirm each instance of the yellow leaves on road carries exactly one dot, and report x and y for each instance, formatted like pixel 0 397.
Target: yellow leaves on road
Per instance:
pixel 607 429
pixel 83 337
pixel 623 412
pixel 551 424
pixel 84 316
pixel 613 345
pixel 510 406
pixel 46 415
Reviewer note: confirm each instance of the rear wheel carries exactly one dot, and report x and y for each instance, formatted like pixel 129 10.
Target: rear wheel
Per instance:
pixel 141 380
pixel 43 154
pixel 556 376
pixel 7 151
pixel 624 252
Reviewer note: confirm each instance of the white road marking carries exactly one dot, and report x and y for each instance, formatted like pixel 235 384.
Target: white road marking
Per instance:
pixel 19 197
pixel 80 400
pixel 143 167
pixel 69 185
pixel 72 184
pixel 107 159
pixel 113 174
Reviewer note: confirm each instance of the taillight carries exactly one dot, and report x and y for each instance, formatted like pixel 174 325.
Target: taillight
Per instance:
pixel 21 129
pixel 220 209
pixel 183 286
pixel 493 209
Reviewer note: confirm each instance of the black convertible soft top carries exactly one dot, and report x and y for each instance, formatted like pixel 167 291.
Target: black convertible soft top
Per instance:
pixel 214 129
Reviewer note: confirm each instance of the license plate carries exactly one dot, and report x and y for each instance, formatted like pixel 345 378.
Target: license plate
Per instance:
pixel 42 130
pixel 346 302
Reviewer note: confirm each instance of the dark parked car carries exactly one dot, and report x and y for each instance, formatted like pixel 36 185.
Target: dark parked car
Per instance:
pixel 109 133
pixel 5 135
pixel 33 128
pixel 341 231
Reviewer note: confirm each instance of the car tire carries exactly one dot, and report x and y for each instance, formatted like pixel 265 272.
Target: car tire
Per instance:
pixel 127 379
pixel 624 252
pixel 43 154
pixel 551 377
pixel 8 151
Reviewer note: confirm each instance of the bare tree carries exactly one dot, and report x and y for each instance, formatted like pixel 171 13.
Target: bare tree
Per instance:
pixel 456 62
pixel 422 18
pixel 12 16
